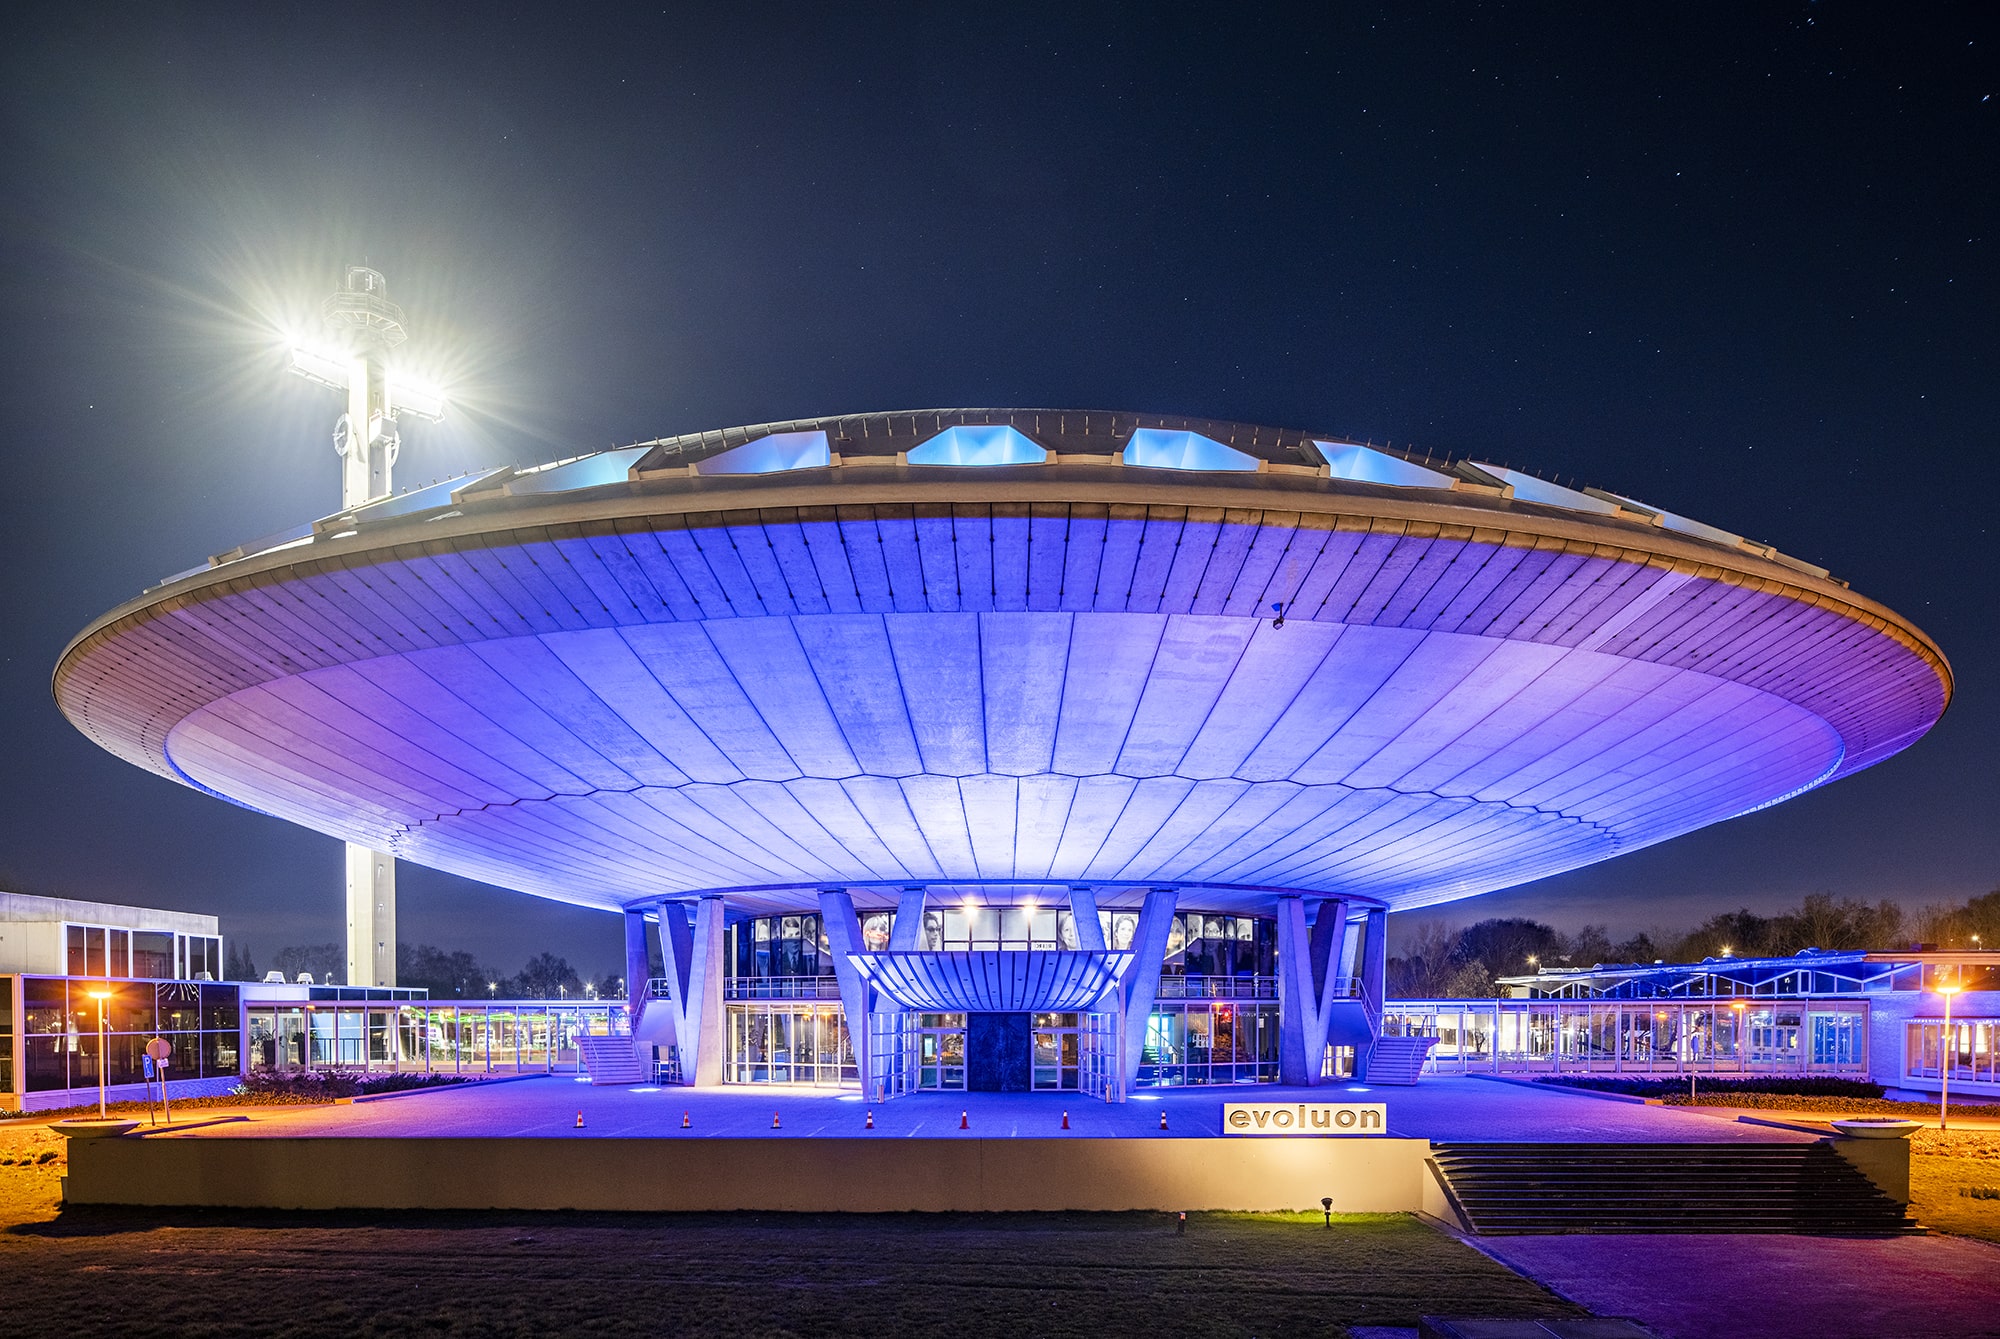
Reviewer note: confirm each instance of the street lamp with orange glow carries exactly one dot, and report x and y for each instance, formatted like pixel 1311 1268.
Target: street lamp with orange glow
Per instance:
pixel 1945 1048
pixel 103 1056
pixel 1742 1042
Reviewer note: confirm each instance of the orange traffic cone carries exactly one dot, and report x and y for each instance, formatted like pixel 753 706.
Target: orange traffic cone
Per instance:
pixel 871 1122
pixel 579 1120
pixel 1065 1120
pixel 774 1120
pixel 1163 1120
pixel 961 1122
pixel 685 1122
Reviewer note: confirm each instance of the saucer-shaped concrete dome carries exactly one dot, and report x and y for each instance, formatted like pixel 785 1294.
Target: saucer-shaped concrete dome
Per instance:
pixel 997 648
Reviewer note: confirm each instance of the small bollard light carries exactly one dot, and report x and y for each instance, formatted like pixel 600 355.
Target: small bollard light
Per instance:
pixel 1181 1231
pixel 1326 1205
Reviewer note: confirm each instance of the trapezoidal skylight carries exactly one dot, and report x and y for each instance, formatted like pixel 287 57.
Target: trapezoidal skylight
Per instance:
pixel 1365 465
pixel 978 444
pixel 771 455
pixel 1162 449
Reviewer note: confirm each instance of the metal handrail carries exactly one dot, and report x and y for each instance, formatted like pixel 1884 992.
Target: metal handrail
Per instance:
pixel 781 988
pixel 1218 988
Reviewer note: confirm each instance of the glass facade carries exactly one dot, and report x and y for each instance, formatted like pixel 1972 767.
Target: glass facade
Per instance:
pixel 1968 1049
pixel 350 1030
pixel 1635 1036
pixel 1221 946
pixel 60 1026
pixel 109 950
pixel 789 1043
pixel 1216 1020
pixel 1195 1043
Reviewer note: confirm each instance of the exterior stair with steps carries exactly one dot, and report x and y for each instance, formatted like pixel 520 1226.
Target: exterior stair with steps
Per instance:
pixel 612 1060
pixel 1398 1060
pixel 1806 1189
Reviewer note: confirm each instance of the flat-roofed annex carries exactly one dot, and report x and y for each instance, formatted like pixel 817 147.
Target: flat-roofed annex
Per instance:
pixel 875 673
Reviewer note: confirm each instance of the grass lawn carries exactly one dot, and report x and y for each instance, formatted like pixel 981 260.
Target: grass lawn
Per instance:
pixel 970 1276
pixel 1942 1163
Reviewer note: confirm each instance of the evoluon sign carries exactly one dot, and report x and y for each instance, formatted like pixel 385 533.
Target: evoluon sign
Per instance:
pixel 1304 1118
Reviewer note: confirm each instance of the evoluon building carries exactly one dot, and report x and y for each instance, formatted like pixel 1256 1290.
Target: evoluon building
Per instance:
pixel 1005 748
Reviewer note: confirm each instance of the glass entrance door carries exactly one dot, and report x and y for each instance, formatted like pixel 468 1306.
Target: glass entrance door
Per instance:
pixel 940 1047
pixel 1057 1052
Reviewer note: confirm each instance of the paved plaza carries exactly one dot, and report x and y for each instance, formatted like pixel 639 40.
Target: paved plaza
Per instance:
pixel 1696 1287
pixel 1440 1109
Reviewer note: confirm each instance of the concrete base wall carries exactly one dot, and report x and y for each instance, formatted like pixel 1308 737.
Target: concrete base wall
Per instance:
pixel 798 1175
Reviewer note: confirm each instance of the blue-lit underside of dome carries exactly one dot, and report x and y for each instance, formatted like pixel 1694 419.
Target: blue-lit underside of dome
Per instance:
pixel 641 711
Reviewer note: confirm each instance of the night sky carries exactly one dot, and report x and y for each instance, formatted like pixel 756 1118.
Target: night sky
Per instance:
pixel 1734 260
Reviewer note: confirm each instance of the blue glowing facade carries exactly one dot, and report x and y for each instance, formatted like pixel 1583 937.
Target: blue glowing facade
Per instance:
pixel 993 659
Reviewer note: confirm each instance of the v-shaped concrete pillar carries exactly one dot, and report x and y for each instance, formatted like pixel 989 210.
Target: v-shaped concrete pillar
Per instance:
pixel 843 937
pixel 694 973
pixel 1140 984
pixel 1308 982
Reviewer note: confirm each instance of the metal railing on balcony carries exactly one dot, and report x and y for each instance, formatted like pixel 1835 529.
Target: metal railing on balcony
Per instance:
pixel 1218 988
pixel 781 988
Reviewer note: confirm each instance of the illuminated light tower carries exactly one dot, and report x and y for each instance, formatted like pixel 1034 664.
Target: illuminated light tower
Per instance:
pixel 363 326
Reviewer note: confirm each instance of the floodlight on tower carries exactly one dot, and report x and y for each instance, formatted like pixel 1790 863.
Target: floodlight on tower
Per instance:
pixel 362 329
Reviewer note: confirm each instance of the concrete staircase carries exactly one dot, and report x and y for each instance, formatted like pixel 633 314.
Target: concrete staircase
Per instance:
pixel 1398 1060
pixel 1805 1188
pixel 611 1060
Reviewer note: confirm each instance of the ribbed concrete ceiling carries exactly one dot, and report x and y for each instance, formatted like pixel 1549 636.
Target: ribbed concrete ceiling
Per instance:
pixel 605 709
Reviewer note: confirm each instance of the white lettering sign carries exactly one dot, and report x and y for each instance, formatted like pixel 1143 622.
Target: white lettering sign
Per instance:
pixel 1304 1118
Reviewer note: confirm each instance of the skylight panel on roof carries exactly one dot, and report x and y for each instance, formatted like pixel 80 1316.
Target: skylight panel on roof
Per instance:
pixel 1670 521
pixel 1160 449
pixel 978 444
pixel 1527 488
pixel 407 504
pixel 594 471
pixel 1365 465
pixel 772 455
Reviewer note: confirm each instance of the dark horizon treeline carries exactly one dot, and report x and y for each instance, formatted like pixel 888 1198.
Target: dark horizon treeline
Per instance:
pixel 1438 960
pixel 448 975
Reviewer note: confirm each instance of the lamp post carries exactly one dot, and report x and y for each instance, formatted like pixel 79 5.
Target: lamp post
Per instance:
pixel 1741 1047
pixel 1945 1048
pixel 103 1058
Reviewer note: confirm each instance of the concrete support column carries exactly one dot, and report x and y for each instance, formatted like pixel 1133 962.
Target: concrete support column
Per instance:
pixel 1329 931
pixel 906 932
pixel 371 917
pixel 638 963
pixel 1083 910
pixel 1141 982
pixel 1305 987
pixel 705 986
pixel 694 973
pixel 843 937
pixel 1375 962
pixel 1374 973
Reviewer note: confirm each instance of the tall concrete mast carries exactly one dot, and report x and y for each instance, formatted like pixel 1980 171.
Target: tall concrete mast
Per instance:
pixel 363 326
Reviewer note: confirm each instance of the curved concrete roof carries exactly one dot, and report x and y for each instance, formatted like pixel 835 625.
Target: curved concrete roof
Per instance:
pixel 659 677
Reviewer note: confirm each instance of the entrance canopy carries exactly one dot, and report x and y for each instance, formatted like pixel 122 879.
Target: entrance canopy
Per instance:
pixel 1017 981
